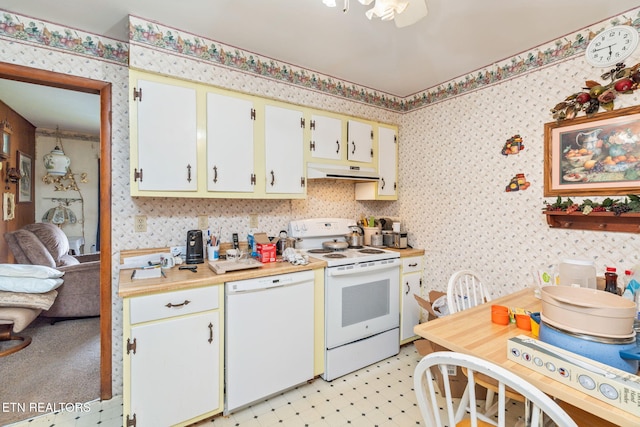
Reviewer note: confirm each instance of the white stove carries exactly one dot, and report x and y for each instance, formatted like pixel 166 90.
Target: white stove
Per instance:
pixel 311 233
pixel 361 294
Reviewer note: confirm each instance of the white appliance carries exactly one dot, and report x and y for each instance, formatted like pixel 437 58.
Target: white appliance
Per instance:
pixel 269 332
pixel 362 319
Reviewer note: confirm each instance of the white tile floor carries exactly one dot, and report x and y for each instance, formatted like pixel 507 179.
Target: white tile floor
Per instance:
pixel 378 395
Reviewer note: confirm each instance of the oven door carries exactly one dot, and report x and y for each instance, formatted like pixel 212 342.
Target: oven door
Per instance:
pixel 361 300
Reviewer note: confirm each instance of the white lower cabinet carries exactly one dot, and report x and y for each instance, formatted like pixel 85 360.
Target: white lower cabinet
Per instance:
pixel 410 283
pixel 173 357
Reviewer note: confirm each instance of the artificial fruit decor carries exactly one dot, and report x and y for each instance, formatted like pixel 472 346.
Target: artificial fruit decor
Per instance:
pixel 513 145
pixel 596 95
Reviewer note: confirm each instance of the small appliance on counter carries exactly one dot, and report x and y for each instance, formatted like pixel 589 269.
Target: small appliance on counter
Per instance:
pixel 195 247
pixel 400 240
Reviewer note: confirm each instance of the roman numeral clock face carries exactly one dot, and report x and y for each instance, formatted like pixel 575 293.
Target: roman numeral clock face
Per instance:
pixel 612 46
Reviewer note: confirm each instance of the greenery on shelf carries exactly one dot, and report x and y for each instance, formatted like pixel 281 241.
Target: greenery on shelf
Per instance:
pixel 631 203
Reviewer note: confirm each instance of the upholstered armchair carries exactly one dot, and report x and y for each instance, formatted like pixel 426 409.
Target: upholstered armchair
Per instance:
pixel 46 244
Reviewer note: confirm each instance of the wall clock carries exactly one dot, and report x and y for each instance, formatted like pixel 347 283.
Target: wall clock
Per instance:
pixel 612 46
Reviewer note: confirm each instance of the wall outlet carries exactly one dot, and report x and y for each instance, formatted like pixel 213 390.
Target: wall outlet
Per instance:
pixel 203 222
pixel 253 221
pixel 140 223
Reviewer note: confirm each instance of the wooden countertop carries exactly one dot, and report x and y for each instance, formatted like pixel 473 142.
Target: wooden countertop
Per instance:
pixel 407 252
pixel 182 279
pixel 471 332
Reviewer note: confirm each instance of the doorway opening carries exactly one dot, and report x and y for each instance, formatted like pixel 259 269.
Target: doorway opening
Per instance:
pixel 103 89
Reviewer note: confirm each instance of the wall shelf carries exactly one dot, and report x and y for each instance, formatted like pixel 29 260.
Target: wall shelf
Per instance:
pixel 596 221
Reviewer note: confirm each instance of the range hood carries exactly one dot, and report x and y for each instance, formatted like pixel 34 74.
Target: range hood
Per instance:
pixel 351 173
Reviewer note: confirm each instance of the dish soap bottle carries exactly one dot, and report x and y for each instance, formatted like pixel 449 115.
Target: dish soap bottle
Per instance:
pixel 611 280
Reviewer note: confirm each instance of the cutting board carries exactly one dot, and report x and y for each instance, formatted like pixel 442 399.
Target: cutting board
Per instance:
pixel 221 267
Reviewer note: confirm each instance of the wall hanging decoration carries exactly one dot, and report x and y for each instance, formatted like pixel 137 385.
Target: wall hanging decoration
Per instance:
pixel 25 166
pixel 8 206
pixel 5 147
pixel 513 145
pixel 618 215
pixel 596 155
pixel 596 95
pixel 518 182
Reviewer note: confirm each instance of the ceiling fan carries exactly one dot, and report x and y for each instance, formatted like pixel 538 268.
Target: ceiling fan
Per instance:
pixel 403 12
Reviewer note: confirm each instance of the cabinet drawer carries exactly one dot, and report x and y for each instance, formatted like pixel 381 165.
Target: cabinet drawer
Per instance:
pixel 169 304
pixel 410 265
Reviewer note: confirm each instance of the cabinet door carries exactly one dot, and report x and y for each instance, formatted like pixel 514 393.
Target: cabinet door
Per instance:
pixel 230 157
pixel 167 137
pixel 387 161
pixel 326 138
pixel 175 371
pixel 410 309
pixel 283 150
pixel 360 138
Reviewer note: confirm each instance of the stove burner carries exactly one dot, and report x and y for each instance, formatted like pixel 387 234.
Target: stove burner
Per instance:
pixel 319 251
pixel 371 251
pixel 356 247
pixel 335 255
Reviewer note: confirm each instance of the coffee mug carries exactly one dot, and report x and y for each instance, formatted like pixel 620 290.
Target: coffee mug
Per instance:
pixel 233 254
pixel 167 262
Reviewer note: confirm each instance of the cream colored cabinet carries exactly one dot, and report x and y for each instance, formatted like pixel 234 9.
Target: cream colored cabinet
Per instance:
pixel 173 345
pixel 360 141
pixel 387 155
pixel 410 283
pixel 166 136
pixel 326 138
pixel 230 144
pixel 284 156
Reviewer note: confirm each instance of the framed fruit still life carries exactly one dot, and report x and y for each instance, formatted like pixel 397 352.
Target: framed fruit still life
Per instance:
pixel 597 155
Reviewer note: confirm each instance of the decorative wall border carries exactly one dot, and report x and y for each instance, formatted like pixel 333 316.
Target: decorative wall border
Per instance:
pixel 53 133
pixel 26 29
pixel 177 42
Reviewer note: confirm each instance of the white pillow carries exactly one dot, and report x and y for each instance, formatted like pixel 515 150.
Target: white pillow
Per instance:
pixel 28 270
pixel 28 285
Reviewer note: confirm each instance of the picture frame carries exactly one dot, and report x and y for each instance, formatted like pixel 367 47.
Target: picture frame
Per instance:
pixel 593 156
pixel 8 206
pixel 25 166
pixel 5 146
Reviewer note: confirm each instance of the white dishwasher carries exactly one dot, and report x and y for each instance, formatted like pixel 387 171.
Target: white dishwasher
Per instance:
pixel 268 336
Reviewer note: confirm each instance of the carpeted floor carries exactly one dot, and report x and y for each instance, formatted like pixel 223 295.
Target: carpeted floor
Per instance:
pixel 61 367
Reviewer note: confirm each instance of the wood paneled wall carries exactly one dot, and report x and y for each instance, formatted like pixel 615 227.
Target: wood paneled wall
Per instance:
pixel 23 139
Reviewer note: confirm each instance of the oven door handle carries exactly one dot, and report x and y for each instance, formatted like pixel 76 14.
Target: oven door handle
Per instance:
pixel 357 270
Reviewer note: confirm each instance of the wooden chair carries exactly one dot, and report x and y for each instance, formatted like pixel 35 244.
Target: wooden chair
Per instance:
pixel 537 409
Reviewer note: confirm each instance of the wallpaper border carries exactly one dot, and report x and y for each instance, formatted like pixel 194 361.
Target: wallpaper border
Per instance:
pixel 176 42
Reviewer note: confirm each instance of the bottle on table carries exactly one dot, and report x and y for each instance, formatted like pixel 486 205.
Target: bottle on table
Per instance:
pixel 611 280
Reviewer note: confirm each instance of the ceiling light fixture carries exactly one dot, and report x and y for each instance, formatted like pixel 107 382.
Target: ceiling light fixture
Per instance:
pixel 388 10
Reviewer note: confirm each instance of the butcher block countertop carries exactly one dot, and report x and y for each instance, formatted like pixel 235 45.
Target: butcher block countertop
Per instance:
pixel 182 279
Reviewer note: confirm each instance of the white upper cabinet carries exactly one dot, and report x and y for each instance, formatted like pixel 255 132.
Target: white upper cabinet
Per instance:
pixel 360 141
pixel 284 156
pixel 387 161
pixel 326 138
pixel 230 144
pixel 166 137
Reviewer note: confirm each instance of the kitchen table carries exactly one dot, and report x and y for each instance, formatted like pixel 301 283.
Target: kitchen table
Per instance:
pixel 472 332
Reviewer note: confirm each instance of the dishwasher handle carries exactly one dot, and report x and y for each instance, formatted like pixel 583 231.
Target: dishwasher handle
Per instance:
pixel 264 283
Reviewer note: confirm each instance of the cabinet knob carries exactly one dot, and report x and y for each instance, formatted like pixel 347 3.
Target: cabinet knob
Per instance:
pixel 354 147
pixel 188 173
pixel 215 174
pixel 273 178
pixel 338 149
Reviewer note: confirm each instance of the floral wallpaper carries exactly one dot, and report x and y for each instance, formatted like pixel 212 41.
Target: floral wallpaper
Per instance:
pixel 452 174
